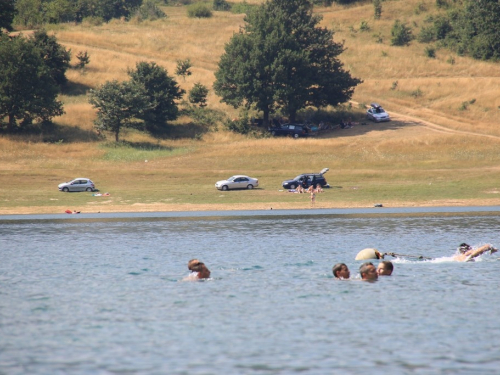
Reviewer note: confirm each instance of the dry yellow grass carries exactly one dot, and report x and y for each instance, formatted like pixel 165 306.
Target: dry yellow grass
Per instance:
pixel 459 146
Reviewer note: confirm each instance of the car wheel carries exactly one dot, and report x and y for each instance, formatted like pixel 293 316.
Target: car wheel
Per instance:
pixel 65 189
pixel 89 189
pixel 295 135
pixel 273 133
pixel 224 188
pixel 292 186
pixel 250 187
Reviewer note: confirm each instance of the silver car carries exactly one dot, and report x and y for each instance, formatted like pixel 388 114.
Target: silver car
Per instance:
pixel 237 182
pixel 376 113
pixel 78 184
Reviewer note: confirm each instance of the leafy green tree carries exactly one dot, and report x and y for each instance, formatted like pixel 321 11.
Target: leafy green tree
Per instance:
pixel 56 57
pixel 199 10
pixel 83 59
pixel 118 105
pixel 401 34
pixel 27 89
pixel 7 13
pixel 282 60
pixel 29 13
pixel 475 29
pixel 183 67
pixel 198 95
pixel 161 91
pixel 149 10
pixel 57 11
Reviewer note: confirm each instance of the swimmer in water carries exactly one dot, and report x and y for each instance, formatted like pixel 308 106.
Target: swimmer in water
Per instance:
pixel 467 253
pixel 385 268
pixel 340 271
pixel 368 272
pixel 198 270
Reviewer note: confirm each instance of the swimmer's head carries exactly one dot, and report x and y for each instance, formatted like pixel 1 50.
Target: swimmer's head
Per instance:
pixel 385 268
pixel 340 271
pixel 463 248
pixel 368 271
pixel 195 265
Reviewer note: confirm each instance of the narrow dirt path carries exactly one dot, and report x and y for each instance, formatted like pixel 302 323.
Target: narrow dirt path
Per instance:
pixel 395 116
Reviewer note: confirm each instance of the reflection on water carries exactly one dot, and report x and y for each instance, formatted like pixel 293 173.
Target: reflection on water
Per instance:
pixel 104 295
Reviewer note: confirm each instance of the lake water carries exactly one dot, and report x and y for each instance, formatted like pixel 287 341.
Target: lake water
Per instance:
pixel 96 294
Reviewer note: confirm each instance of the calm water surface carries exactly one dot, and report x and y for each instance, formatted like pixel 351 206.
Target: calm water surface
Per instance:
pixel 105 296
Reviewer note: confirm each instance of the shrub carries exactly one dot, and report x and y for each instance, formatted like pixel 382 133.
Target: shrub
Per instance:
pixel 364 26
pixel 241 8
pixel 221 5
pixel 430 52
pixel 394 85
pixel 199 10
pixel 198 95
pixel 416 93
pixel 426 35
pixel 149 10
pixel 377 9
pixel 451 60
pixel 401 34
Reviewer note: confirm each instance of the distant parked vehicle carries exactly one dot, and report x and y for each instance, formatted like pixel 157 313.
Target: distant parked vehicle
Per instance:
pixel 376 113
pixel 293 130
pixel 307 179
pixel 237 182
pixel 78 184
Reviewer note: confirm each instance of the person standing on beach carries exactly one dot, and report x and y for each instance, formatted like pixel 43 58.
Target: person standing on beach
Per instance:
pixel 313 197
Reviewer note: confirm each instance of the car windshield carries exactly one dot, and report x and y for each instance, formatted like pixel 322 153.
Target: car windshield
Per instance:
pixel 299 177
pixel 231 178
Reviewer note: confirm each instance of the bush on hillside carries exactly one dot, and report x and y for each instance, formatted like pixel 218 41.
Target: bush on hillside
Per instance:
pixel 199 10
pixel 221 5
pixel 149 10
pixel 401 34
pixel 242 8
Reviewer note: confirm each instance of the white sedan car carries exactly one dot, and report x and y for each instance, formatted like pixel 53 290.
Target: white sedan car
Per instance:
pixel 78 184
pixel 376 113
pixel 237 182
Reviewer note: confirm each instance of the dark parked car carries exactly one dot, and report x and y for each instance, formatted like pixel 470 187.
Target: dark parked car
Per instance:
pixel 307 179
pixel 293 130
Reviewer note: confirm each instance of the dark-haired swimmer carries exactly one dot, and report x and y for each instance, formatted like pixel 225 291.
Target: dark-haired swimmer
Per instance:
pixel 385 268
pixel 467 253
pixel 340 271
pixel 198 270
pixel 368 272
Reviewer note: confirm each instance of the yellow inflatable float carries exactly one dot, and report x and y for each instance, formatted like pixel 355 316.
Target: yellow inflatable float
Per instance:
pixel 369 253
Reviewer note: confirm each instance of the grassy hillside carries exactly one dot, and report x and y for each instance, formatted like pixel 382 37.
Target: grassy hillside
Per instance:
pixel 434 152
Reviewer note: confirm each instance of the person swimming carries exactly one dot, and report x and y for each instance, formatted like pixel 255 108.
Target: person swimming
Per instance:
pixel 385 268
pixel 198 270
pixel 340 271
pixel 466 253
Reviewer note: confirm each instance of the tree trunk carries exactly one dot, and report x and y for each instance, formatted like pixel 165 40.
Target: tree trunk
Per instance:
pixel 117 133
pixel 292 116
pixel 266 118
pixel 12 123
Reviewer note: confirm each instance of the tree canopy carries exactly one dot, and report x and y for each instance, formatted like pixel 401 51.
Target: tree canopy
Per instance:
pixel 282 59
pixel 118 104
pixel 162 92
pixel 7 12
pixel 28 90
pixel 147 101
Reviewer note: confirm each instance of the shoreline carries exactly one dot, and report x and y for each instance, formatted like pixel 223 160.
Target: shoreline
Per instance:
pixel 162 207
